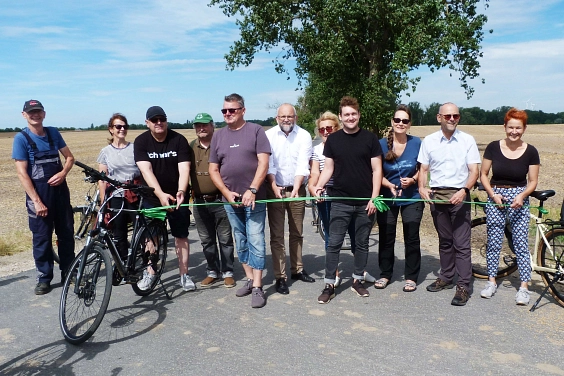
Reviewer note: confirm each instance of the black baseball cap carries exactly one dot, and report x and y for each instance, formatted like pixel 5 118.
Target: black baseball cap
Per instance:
pixel 32 104
pixel 154 111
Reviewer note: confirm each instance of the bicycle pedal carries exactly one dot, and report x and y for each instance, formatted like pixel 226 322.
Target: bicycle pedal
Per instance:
pixel 131 279
pixel 509 260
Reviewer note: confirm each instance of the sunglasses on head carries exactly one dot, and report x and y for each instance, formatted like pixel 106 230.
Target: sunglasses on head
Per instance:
pixel 230 110
pixel 404 121
pixel 325 129
pixel 120 127
pixel 156 119
pixel 451 116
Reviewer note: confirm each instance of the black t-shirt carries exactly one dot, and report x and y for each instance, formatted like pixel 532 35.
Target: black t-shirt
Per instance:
pixel 352 154
pixel 506 171
pixel 164 157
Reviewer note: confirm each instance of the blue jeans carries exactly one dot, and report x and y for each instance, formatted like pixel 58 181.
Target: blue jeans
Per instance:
pixel 341 217
pixel 212 223
pixel 248 228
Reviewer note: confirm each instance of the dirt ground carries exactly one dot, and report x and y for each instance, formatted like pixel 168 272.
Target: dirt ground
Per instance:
pixel 86 145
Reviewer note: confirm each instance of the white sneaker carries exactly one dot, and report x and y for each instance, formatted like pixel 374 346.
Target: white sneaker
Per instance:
pixel 489 290
pixel 187 283
pixel 147 280
pixel 522 297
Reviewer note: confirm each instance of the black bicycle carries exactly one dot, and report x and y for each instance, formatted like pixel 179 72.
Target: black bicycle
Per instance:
pixel 84 218
pixel 88 285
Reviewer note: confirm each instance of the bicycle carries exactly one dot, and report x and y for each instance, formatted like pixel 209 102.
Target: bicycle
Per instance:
pixel 547 257
pixel 84 218
pixel 88 284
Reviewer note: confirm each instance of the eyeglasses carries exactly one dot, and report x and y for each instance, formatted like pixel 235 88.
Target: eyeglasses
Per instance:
pixel 286 117
pixel 404 121
pixel 156 119
pixel 451 116
pixel 120 127
pixel 230 110
pixel 325 130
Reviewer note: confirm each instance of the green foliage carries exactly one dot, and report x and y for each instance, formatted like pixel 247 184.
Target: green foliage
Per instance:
pixel 362 48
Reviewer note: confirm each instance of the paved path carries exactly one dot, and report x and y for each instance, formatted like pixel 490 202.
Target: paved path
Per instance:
pixel 213 332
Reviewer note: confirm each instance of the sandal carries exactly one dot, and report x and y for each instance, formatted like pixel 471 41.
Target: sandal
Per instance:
pixel 410 286
pixel 382 283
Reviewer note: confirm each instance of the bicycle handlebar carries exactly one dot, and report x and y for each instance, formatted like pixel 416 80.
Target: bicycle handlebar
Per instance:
pixel 97 175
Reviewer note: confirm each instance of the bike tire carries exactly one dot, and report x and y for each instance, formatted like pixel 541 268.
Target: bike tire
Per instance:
pixel 81 314
pixel 479 241
pixel 157 232
pixel 548 259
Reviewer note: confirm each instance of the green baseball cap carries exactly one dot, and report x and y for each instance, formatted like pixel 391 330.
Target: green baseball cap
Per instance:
pixel 203 118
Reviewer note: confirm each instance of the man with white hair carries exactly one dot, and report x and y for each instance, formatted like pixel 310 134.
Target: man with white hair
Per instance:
pixel 287 172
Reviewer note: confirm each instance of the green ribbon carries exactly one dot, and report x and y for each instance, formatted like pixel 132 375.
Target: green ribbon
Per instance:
pixel 379 202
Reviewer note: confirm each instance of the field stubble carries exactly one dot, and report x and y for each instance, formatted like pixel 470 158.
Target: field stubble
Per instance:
pixel 85 145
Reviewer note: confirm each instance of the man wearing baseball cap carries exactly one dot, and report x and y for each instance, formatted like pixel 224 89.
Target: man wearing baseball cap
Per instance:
pixel 211 220
pixel 163 157
pixel 38 164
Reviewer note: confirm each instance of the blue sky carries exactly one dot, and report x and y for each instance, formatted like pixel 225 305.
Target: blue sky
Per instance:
pixel 87 60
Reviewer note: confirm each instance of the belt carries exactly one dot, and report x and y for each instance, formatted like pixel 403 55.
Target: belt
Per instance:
pixel 506 186
pixel 208 198
pixel 289 188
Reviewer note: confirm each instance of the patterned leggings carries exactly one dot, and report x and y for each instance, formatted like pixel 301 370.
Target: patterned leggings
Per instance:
pixel 519 224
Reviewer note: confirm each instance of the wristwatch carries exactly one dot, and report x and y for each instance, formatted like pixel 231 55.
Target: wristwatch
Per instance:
pixel 253 190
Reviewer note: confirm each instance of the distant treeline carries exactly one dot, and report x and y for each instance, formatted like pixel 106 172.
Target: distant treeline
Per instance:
pixel 188 125
pixel 419 115
pixel 477 116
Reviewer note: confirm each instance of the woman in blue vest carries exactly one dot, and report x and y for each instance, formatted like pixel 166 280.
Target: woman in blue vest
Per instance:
pixel 400 180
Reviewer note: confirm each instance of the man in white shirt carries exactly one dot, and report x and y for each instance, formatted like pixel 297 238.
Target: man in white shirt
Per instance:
pixel 287 171
pixel 452 158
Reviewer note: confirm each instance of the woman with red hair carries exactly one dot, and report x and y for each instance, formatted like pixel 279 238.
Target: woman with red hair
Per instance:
pixel 515 170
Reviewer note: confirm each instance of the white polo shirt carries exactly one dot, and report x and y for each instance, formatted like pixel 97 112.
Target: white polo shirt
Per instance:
pixel 448 160
pixel 290 154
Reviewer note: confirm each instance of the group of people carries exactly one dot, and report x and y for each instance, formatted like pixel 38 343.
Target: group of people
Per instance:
pixel 228 170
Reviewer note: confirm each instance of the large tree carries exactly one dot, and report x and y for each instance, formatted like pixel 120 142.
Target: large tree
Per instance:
pixel 363 48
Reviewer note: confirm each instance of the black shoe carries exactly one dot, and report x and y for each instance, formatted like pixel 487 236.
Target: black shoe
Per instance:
pixel 439 285
pixel 327 294
pixel 358 287
pixel 282 287
pixel 302 276
pixel 460 297
pixel 42 288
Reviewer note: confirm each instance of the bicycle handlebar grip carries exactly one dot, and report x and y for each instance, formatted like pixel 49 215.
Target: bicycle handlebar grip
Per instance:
pixel 97 174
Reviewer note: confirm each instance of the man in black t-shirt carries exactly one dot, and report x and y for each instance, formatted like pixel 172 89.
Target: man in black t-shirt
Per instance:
pixel 163 156
pixel 353 157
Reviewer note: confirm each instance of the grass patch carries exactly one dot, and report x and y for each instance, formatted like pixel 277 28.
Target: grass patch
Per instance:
pixel 15 243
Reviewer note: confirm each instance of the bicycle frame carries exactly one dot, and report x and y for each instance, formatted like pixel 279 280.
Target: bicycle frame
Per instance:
pixel 541 230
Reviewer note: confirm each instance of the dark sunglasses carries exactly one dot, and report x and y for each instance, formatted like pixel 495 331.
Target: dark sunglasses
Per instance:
pixel 451 116
pixel 325 130
pixel 119 127
pixel 404 121
pixel 156 119
pixel 230 110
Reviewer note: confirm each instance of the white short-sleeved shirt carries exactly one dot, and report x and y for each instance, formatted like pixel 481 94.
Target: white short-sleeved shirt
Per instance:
pixel 448 160
pixel 290 154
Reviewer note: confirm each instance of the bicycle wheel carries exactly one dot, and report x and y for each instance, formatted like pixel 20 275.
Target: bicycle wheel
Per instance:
pixel 81 314
pixel 550 258
pixel 150 247
pixel 507 261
